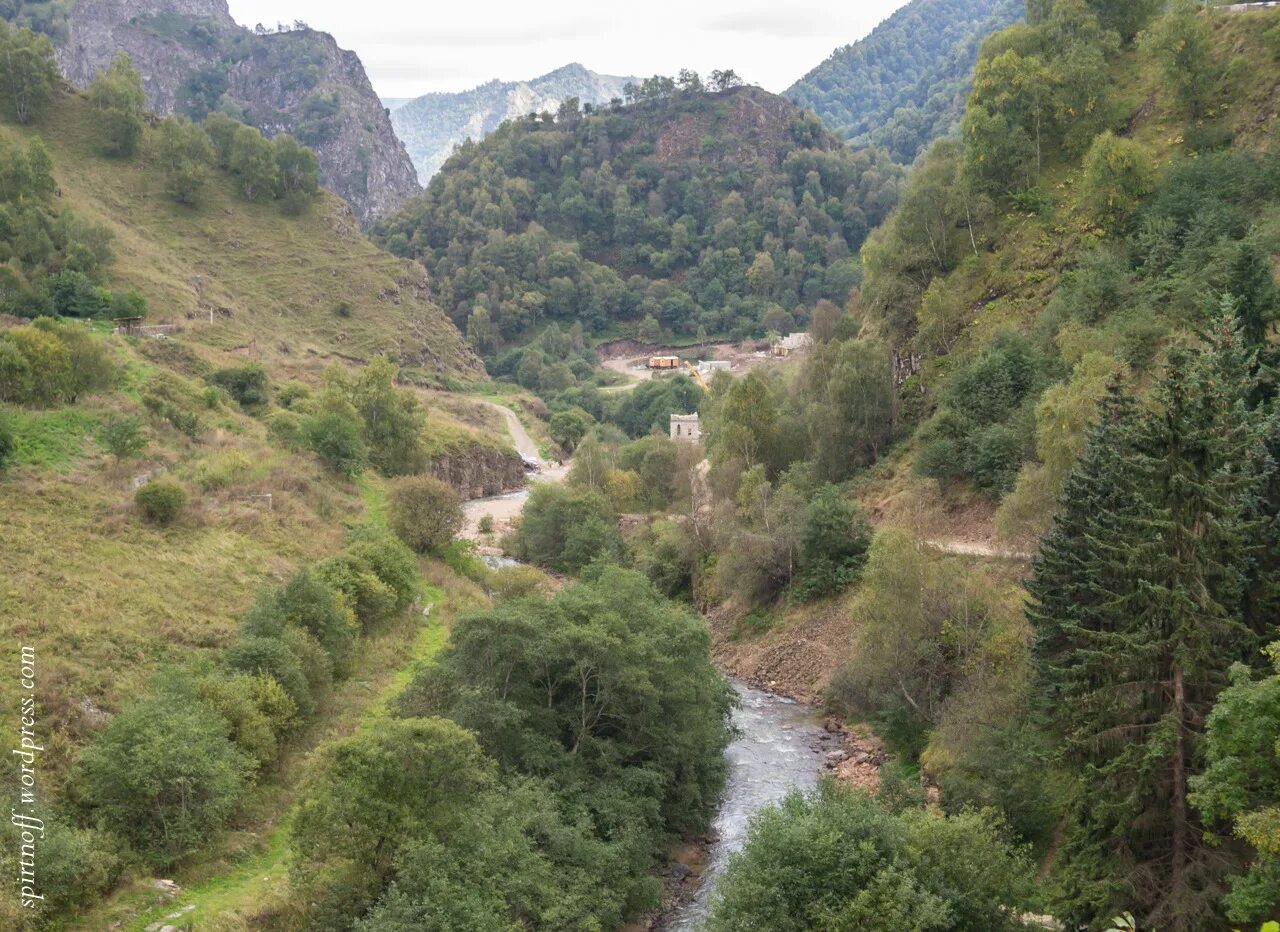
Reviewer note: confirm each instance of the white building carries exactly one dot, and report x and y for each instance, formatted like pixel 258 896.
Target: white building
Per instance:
pixel 685 427
pixel 708 367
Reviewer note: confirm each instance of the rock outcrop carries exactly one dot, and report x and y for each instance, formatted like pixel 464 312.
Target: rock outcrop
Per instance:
pixel 193 56
pixel 433 124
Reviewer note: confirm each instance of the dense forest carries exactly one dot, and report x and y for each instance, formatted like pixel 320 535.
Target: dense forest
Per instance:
pixel 905 84
pixel 691 210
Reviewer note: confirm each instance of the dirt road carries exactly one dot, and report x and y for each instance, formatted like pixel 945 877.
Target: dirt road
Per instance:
pixel 503 509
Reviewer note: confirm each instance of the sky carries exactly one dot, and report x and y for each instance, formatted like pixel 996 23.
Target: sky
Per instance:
pixel 409 49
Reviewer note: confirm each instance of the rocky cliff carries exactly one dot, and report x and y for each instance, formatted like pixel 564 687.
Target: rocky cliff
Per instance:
pixel 193 57
pixel 433 124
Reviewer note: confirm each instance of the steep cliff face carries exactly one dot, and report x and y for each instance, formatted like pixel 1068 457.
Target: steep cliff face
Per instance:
pixel 433 124
pixel 193 56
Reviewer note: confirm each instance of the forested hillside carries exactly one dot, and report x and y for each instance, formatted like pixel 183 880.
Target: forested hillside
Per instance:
pixel 723 211
pixel 1069 320
pixel 905 84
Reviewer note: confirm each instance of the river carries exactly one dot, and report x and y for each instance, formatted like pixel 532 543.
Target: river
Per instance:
pixel 779 747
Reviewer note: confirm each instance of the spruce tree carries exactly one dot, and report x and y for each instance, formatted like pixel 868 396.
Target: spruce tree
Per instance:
pixel 1137 604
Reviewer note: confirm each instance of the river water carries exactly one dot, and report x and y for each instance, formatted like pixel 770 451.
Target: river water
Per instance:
pixel 779 748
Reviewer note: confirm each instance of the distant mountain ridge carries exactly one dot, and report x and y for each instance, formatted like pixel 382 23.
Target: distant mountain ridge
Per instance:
pixel 194 57
pixel 431 125
pixel 905 84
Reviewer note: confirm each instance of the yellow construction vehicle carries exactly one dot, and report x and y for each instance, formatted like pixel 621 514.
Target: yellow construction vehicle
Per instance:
pixel 697 376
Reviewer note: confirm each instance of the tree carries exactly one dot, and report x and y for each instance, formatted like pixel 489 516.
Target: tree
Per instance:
pixel 424 512
pixel 299 172
pixel 391 417
pixel 187 155
pixel 371 796
pixel 122 437
pixel 833 544
pixel 567 528
pixel 306 601
pixel 840 860
pixel 1241 784
pixel 723 80
pixel 119 105
pixel 162 776
pixel 253 161
pixel 1181 43
pixel 1137 608
pixel 333 434
pixel 28 72
pixel 1118 174
pixel 851 399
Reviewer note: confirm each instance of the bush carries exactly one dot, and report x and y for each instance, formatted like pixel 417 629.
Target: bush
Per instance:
pixel 307 602
pixel 1118 174
pixel 121 436
pixel 162 775
pixel 839 860
pixel 335 437
pixel 424 512
pixel 8 443
pixel 223 469
pixel 285 430
pixel 161 500
pixel 268 656
pixel 247 384
pixel 833 544
pixel 567 528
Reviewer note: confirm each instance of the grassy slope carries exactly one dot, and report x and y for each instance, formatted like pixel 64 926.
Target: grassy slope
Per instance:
pixel 274 282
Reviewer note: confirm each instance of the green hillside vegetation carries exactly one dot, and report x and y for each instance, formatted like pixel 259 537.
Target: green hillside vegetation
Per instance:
pixel 905 84
pixel 687 211
pixel 1075 303
pixel 281 266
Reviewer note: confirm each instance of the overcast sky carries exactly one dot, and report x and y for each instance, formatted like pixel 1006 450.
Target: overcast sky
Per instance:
pixel 412 48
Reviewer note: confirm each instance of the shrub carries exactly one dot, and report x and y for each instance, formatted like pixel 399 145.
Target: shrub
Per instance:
pixel 390 560
pixel 247 384
pixel 335 437
pixel 486 524
pixel 285 430
pixel 182 420
pixel 309 603
pixel 566 528
pixel 833 544
pixel 163 775
pixel 121 436
pixel 223 469
pixel 8 443
pixel 875 871
pixel 161 500
pixel 424 512
pixel 37 370
pixel 268 656
pixel 1118 174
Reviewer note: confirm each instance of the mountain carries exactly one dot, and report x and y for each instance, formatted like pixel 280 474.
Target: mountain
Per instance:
pixel 194 58
pixel 433 124
pixel 687 210
pixel 905 84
